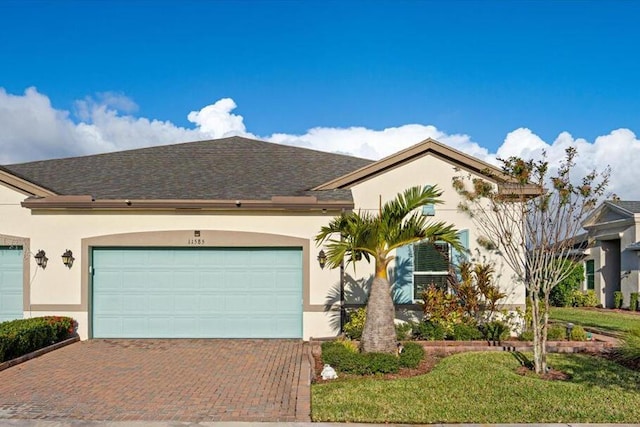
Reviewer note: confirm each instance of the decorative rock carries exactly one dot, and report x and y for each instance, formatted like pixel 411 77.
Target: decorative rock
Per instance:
pixel 328 373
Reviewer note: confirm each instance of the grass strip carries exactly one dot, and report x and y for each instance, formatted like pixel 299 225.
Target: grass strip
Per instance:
pixel 608 320
pixel 485 388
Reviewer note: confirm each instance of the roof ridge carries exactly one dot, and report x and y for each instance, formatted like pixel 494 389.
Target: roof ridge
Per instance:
pixel 184 144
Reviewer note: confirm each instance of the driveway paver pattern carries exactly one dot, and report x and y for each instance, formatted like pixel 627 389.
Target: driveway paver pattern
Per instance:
pixel 162 380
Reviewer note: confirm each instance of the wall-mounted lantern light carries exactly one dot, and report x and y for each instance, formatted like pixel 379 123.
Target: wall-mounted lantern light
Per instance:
pixel 67 258
pixel 41 259
pixel 322 259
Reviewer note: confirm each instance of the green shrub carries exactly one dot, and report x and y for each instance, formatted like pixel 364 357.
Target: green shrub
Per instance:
pixel 355 325
pixel 628 353
pixel 466 332
pixel 526 335
pixel 496 331
pixel 22 336
pixel 342 359
pixel 562 294
pixel 379 363
pixel 578 333
pixel 428 331
pixel 633 301
pixel 585 299
pixel 556 333
pixel 618 299
pixel 412 355
pixel 403 331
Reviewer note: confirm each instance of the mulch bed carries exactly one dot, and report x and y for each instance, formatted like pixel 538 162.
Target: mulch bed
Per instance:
pixel 430 360
pixel 551 374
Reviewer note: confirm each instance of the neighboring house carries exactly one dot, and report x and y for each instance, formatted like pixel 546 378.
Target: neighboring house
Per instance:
pixel 612 259
pixel 210 238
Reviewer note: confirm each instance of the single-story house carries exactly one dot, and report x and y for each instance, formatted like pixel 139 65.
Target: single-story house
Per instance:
pixel 210 238
pixel 612 257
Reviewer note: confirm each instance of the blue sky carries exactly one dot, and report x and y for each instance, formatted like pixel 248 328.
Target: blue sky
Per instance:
pixel 474 70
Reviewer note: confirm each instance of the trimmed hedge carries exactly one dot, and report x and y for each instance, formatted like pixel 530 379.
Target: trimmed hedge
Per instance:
pixel 618 299
pixel 342 356
pixel 22 336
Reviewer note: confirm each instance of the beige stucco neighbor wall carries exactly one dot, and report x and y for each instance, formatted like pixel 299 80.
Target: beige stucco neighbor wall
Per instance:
pixel 629 261
pixel 14 231
pixel 432 170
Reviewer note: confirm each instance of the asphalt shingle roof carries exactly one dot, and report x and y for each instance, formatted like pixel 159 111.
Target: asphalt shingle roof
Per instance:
pixel 222 169
pixel 629 205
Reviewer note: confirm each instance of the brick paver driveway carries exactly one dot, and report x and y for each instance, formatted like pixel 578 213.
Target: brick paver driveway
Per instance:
pixel 178 380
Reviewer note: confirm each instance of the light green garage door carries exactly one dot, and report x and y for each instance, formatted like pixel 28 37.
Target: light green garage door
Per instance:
pixel 10 283
pixel 197 293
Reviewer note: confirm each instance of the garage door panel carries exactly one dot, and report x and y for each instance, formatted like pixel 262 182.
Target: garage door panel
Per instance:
pixel 210 302
pixel 185 303
pixel 157 304
pixel 161 280
pixel 109 304
pixel 132 302
pixel 203 292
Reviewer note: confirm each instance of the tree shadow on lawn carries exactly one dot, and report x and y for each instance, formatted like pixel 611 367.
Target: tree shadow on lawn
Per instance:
pixel 591 370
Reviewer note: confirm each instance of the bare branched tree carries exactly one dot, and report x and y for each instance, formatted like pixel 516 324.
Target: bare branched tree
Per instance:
pixel 532 219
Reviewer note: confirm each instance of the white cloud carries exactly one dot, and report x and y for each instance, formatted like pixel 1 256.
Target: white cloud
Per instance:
pixel 32 129
pixel 217 121
pixel 375 144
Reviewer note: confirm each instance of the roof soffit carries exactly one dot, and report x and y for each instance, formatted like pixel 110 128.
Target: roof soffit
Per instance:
pixel 280 203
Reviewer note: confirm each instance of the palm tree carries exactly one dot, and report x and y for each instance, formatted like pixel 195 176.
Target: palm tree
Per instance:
pixel 362 234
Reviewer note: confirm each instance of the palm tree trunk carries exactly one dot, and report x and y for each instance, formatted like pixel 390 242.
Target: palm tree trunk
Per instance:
pixel 379 334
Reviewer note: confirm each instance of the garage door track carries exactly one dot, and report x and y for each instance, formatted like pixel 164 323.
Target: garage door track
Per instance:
pixel 161 380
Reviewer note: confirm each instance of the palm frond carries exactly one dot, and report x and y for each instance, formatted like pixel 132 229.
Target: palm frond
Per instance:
pixel 398 223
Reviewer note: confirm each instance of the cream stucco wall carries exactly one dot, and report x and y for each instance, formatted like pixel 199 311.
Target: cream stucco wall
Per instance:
pixel 63 291
pixel 432 170
pixel 58 289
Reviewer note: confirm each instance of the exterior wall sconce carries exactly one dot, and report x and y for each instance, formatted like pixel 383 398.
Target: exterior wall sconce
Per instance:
pixel 67 258
pixel 322 259
pixel 41 259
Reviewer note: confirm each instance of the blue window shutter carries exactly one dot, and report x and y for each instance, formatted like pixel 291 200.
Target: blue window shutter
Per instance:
pixel 429 209
pixel 459 256
pixel 403 285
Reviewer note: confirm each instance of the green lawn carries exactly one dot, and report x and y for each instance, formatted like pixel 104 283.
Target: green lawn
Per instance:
pixel 609 320
pixel 484 388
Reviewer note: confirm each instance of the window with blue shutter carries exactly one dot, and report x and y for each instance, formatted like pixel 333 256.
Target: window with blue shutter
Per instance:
pixel 431 266
pixel 423 264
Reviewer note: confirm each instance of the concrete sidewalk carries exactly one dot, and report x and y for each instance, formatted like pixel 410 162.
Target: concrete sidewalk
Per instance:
pixel 75 423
